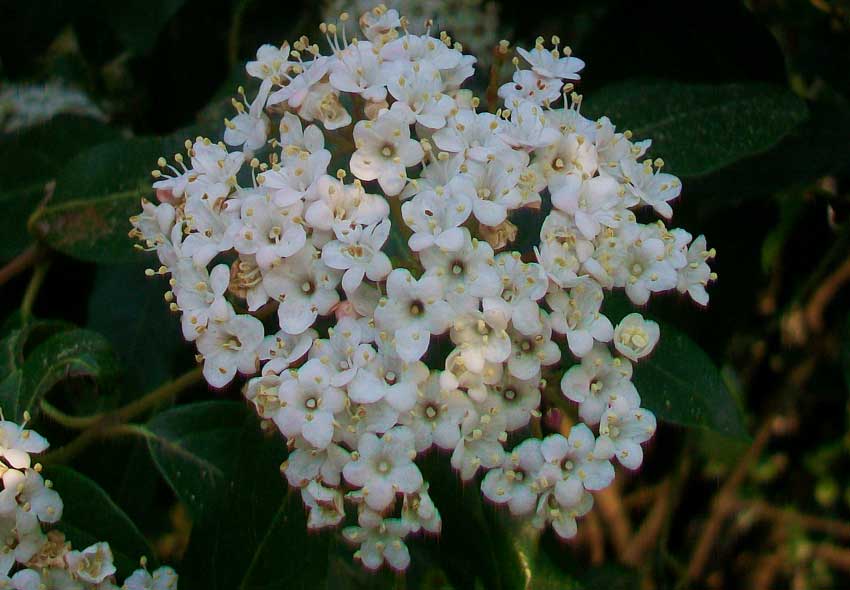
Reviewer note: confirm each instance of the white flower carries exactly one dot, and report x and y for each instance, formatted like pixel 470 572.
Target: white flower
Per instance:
pixel 562 518
pixel 527 129
pixel 622 430
pixel 271 61
pixel 27 496
pixel 522 284
pixel 93 564
pixel 515 482
pixel 358 253
pixel 384 467
pixel 532 87
pixel 325 505
pixel 419 512
pixel 550 64
pixel 418 91
pixel 695 275
pixel 494 187
pixel 297 178
pixel 309 403
pixel 635 337
pixel 573 466
pixel 306 288
pixel 576 313
pixel 388 377
pixel 435 220
pixel 322 103
pixel 283 349
pixel 597 382
pixel 515 400
pixel 482 338
pixel 482 436
pixel 200 295
pixel 163 578
pixel 16 444
pixel 306 463
pixel 229 346
pixel 311 73
pixel 467 274
pixel 422 49
pixel 339 205
pixel 532 346
pixel 471 134
pixel 437 415
pixel 357 70
pixel 412 311
pixel 563 249
pixel 654 188
pixel 593 202
pixel 269 232
pixel 380 539
pixel 345 352
pixel 249 128
pixel 384 151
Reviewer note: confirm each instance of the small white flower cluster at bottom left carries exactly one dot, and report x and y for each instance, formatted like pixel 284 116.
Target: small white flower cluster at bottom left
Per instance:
pixel 34 557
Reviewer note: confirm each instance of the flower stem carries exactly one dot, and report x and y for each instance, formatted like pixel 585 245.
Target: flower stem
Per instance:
pixel 105 425
pixel 33 288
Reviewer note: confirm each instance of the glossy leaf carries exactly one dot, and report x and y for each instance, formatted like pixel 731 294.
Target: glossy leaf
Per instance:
pixel 697 129
pixel 29 160
pixel 138 23
pixel 91 516
pixel 679 382
pixel 216 459
pixel 128 308
pixel 75 353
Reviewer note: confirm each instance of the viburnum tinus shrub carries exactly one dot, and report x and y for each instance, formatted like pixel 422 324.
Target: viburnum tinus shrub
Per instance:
pixel 358 213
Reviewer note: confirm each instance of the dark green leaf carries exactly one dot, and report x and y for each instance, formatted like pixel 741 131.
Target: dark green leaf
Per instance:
pixel 697 129
pixel 137 23
pixel 246 527
pixel 96 193
pixel 29 159
pixel 128 308
pixel 91 516
pixel 679 382
pixel 76 353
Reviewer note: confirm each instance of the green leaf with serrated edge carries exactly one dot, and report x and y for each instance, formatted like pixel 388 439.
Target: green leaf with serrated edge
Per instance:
pixel 31 158
pixel 90 516
pixel 217 460
pixel 679 382
pixel 76 353
pixel 698 128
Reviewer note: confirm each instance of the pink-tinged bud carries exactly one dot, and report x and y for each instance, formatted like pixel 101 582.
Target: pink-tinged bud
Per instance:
pixel 345 309
pixel 166 195
pixel 552 419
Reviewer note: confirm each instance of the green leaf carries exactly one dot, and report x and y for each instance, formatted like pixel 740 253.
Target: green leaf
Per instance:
pixel 71 354
pixel 216 459
pixel 697 129
pixel 138 23
pixel 96 194
pixel 128 308
pixel 679 382
pixel 31 158
pixel 90 516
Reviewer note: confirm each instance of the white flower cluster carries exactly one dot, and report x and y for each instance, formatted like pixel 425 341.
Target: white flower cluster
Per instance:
pixel 32 555
pixel 354 372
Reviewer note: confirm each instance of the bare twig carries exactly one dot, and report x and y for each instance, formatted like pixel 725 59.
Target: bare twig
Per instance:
pixel 19 264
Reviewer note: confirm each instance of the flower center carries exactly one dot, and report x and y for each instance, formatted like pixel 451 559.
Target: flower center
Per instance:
pixel 311 403
pixel 509 394
pixel 390 377
pixel 387 151
pixel 457 268
pixel 383 466
pixel 307 287
pixel 431 412
pixel 416 308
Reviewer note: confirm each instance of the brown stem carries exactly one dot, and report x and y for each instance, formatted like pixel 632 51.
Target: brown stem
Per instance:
pixel 20 263
pixel 613 513
pixel 825 293
pixel 653 524
pixel 724 502
pixel 834 556
pixel 790 517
